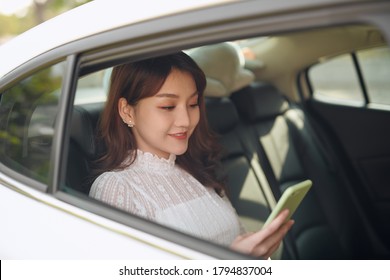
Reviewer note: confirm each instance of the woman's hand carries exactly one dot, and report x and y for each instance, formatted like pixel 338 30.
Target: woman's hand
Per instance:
pixel 264 243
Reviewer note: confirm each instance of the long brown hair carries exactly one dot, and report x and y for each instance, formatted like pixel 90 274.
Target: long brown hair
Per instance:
pixel 137 80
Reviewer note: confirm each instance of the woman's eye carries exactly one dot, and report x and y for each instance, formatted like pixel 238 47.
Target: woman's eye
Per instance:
pixel 168 108
pixel 194 105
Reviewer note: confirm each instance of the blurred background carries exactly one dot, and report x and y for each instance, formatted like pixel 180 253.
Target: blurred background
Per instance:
pixel 17 16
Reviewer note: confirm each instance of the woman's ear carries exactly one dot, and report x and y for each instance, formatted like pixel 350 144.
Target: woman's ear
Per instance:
pixel 125 111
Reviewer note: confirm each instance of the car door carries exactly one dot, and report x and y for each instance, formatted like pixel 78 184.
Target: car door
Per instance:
pixel 350 98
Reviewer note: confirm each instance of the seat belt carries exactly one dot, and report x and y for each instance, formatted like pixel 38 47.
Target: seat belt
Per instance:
pixel 264 173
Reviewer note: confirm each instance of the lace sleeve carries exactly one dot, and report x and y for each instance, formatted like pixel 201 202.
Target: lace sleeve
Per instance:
pixel 113 190
pixel 242 228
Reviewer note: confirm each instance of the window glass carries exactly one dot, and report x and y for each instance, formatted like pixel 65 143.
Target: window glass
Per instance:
pixel 27 117
pixel 336 80
pixel 93 88
pixel 375 66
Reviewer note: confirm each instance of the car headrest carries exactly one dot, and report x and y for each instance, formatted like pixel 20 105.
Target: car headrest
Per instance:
pixel 221 114
pixel 83 127
pixel 260 101
pixel 223 65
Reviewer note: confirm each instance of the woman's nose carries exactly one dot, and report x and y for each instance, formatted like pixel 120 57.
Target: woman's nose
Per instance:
pixel 183 118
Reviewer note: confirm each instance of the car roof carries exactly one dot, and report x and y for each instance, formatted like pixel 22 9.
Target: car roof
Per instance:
pixel 102 15
pixel 88 19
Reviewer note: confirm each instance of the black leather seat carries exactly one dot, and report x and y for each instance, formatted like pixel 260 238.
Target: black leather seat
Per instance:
pixel 243 175
pixel 245 191
pixel 82 146
pixel 327 226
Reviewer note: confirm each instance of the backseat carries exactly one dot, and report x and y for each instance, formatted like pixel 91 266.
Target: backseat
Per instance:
pixel 82 146
pixel 277 134
pixel 325 225
pixel 247 196
pixel 252 202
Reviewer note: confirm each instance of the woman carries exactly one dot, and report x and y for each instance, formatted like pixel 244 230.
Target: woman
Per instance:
pixel 161 157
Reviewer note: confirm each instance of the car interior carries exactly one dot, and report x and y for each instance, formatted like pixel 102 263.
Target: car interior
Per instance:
pixel 261 101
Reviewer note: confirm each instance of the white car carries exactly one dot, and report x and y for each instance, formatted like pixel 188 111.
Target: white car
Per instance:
pixel 296 89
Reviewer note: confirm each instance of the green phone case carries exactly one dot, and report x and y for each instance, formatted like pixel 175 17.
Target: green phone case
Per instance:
pixel 291 198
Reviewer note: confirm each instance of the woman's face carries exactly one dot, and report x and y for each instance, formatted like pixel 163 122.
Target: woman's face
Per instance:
pixel 164 122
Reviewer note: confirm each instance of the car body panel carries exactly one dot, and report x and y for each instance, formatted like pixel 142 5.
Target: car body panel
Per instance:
pixel 26 212
pixel 89 19
pixel 40 42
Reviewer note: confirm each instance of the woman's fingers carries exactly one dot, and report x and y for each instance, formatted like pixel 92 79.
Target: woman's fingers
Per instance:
pixel 266 241
pixel 264 233
pixel 279 220
pixel 243 236
pixel 268 246
pixel 272 250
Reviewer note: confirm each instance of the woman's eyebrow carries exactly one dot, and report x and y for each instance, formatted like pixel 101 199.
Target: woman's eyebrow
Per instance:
pixel 170 95
pixel 173 95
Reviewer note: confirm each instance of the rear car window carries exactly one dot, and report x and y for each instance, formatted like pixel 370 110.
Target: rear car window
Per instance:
pixel 357 78
pixel 27 117
pixel 374 64
pixel 93 88
pixel 336 80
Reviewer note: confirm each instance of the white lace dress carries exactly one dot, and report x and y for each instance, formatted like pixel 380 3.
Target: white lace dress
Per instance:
pixel 159 190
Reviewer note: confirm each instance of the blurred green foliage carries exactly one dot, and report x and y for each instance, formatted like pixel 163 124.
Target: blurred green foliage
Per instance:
pixel 39 11
pixel 27 114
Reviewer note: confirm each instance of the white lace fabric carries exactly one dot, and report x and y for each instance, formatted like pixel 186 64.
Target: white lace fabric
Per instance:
pixel 159 190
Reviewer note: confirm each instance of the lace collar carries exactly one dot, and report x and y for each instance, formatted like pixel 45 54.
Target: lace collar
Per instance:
pixel 152 162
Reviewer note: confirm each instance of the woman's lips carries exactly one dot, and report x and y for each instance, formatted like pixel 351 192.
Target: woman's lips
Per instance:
pixel 180 136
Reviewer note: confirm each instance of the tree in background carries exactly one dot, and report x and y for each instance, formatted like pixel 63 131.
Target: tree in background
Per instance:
pixel 37 12
pixel 45 9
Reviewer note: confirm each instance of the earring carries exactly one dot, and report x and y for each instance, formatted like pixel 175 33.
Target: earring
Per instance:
pixel 130 124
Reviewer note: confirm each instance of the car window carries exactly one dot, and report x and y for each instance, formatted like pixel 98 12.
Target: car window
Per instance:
pixel 27 116
pixel 93 88
pixel 336 80
pixel 354 79
pixel 374 64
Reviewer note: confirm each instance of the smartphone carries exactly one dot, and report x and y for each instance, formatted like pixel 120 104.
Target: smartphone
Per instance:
pixel 290 199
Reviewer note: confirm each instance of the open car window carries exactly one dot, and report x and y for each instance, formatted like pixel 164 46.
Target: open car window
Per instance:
pixel 267 131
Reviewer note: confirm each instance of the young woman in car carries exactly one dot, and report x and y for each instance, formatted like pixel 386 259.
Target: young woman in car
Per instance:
pixel 161 158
